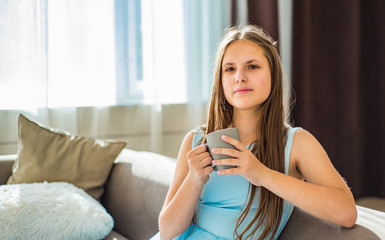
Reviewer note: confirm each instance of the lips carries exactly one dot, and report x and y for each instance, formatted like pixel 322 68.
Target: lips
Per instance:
pixel 242 90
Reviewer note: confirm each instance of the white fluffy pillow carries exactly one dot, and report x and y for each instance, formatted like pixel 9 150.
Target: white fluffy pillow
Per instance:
pixel 57 210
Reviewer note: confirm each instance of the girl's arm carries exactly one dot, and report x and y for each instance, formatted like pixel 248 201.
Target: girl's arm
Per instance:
pixel 191 173
pixel 324 194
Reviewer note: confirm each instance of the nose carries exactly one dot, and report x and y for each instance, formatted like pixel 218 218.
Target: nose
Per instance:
pixel 240 76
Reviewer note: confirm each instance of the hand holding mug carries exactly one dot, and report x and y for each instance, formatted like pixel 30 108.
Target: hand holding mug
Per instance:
pixel 199 162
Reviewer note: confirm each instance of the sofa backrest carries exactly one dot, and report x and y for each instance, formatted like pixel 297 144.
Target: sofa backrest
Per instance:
pixel 6 163
pixel 135 192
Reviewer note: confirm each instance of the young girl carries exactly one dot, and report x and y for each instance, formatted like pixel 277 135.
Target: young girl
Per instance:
pixel 277 166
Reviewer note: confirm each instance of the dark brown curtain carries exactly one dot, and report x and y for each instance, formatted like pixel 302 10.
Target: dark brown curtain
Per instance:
pixel 338 75
pixel 263 13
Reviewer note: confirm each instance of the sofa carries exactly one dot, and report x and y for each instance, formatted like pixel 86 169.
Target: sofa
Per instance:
pixel 138 183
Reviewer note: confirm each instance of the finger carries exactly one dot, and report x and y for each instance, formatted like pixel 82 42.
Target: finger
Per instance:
pixel 200 149
pixel 206 162
pixel 226 151
pixel 237 144
pixel 203 156
pixel 196 151
pixel 207 170
pixel 227 161
pixel 199 161
pixel 229 171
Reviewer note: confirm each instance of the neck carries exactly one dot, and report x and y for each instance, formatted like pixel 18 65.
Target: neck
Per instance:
pixel 247 122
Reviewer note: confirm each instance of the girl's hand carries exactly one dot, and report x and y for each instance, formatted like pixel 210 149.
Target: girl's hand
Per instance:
pixel 200 164
pixel 247 164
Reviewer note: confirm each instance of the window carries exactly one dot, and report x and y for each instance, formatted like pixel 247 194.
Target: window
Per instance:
pixel 80 53
pixel 163 51
pixel 128 47
pixel 56 53
pixel 20 37
pixel 99 52
pixel 150 51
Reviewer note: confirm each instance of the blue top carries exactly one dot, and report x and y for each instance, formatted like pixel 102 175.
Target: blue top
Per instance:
pixel 222 200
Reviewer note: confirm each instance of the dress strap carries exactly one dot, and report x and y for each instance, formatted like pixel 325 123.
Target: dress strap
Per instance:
pixel 289 140
pixel 198 135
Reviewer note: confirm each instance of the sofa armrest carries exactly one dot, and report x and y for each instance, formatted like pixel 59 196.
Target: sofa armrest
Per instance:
pixel 135 192
pixel 6 163
pixel 302 225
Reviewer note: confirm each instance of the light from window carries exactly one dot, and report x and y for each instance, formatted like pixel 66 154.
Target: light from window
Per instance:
pixel 81 56
pixel 89 53
pixel 163 52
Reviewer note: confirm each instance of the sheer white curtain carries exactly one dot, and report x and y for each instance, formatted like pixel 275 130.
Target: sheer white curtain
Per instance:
pixel 205 22
pixel 54 57
pixel 164 72
pixel 21 54
pixel 58 55
pixel 179 43
pixel 81 53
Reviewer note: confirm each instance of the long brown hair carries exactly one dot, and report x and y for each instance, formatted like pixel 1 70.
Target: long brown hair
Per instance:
pixel 271 130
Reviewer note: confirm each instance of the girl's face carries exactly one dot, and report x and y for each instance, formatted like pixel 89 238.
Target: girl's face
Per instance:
pixel 246 77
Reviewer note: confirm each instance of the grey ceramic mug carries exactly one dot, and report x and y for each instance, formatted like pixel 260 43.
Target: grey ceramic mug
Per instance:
pixel 214 140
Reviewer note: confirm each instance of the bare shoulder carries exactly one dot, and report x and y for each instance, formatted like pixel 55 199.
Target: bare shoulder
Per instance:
pixel 307 153
pixel 312 162
pixel 188 140
pixel 302 134
pixel 304 141
pixel 187 143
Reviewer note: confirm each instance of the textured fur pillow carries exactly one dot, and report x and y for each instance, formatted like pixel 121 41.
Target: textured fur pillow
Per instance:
pixel 56 210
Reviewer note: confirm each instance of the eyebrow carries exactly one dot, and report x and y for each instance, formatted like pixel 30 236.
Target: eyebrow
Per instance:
pixel 247 62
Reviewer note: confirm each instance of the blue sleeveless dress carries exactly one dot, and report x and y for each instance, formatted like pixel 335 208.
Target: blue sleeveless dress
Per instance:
pixel 222 200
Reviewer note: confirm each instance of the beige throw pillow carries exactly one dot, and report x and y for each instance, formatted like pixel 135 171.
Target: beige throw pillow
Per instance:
pixel 46 154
